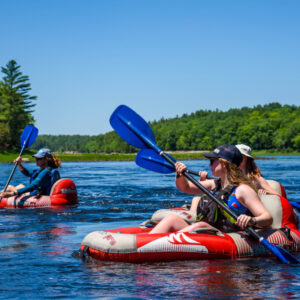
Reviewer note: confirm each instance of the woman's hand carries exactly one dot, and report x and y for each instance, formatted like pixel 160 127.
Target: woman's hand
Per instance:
pixel 18 160
pixel 262 192
pixel 180 167
pixel 7 194
pixel 243 221
pixel 203 175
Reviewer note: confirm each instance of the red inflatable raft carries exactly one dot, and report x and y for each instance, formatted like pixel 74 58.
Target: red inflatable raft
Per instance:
pixel 62 193
pixel 134 244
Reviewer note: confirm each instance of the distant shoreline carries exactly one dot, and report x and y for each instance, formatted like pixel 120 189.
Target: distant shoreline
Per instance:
pixel 85 157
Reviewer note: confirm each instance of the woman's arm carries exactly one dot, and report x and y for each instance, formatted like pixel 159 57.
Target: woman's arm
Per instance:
pixel 22 169
pixel 188 187
pixel 249 198
pixel 264 187
pixel 39 182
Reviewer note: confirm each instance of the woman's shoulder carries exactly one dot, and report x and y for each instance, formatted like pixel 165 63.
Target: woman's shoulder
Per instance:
pixel 244 188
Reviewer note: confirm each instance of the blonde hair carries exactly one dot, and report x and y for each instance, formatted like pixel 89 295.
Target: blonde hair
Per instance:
pixel 235 175
pixel 53 161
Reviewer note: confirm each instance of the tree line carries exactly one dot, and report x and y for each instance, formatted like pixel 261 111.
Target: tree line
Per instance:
pixel 271 126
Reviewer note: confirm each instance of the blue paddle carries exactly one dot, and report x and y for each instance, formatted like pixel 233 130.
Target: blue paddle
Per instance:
pixel 150 160
pixel 135 130
pixel 27 138
pixel 295 204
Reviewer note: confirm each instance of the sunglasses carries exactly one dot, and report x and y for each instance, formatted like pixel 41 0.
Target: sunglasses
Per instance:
pixel 39 158
pixel 211 161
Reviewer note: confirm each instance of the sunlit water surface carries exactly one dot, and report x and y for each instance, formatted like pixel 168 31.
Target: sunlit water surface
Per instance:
pixel 37 244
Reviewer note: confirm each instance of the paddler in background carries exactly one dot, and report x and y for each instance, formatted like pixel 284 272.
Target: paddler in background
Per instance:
pixel 252 171
pixel 41 179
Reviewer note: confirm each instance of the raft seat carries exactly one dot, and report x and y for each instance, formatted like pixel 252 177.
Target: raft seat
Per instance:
pixel 275 185
pixel 64 192
pixel 273 204
pixel 54 185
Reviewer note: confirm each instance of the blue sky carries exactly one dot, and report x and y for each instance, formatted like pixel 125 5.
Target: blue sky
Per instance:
pixel 162 57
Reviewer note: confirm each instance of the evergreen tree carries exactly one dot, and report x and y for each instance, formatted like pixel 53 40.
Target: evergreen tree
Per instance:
pixel 16 105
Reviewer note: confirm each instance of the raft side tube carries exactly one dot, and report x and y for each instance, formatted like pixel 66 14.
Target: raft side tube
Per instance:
pixel 63 192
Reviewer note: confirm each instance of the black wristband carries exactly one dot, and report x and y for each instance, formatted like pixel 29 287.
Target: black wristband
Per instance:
pixel 178 175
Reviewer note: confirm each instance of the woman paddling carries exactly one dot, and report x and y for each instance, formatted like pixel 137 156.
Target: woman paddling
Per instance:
pixel 41 179
pixel 233 188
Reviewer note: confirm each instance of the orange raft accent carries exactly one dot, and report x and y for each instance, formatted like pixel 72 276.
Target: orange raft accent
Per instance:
pixel 63 193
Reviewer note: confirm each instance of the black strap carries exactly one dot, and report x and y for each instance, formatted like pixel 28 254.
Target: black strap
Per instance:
pixel 85 251
pixel 224 194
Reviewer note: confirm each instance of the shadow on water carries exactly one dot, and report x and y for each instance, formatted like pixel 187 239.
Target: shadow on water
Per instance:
pixel 225 279
pixel 36 245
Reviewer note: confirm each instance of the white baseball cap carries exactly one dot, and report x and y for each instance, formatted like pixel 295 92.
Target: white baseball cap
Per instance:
pixel 244 149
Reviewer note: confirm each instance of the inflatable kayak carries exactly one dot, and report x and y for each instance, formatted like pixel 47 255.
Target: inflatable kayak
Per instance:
pixel 134 244
pixel 63 193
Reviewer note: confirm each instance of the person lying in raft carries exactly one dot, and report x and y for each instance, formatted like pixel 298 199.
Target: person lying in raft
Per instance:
pixel 233 188
pixel 41 179
pixel 252 171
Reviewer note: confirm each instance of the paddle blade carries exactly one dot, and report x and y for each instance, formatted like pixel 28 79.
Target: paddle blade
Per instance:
pixel 28 136
pixel 150 160
pixel 279 252
pixel 295 204
pixel 131 127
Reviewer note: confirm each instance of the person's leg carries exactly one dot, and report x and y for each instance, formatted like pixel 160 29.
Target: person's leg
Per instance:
pixel 170 223
pixel 194 226
pixel 20 186
pixel 11 188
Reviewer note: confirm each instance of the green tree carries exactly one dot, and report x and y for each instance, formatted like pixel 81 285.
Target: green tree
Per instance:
pixel 16 105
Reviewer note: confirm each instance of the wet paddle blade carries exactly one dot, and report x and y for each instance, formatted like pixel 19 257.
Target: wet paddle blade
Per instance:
pixel 28 136
pixel 279 252
pixel 150 160
pixel 295 204
pixel 131 127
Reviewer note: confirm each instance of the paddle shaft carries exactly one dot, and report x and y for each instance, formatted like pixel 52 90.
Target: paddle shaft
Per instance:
pixel 197 174
pixel 21 152
pixel 10 176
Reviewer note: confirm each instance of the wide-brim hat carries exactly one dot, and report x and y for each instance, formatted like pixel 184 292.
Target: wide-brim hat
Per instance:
pixel 245 150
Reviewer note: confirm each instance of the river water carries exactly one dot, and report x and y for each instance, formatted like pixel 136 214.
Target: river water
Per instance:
pixel 36 245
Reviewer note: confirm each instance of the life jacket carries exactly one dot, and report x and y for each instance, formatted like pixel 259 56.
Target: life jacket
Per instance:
pixel 54 177
pixel 209 211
